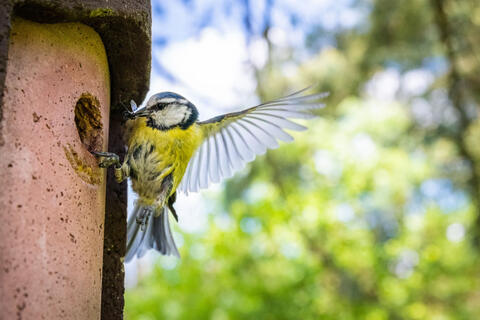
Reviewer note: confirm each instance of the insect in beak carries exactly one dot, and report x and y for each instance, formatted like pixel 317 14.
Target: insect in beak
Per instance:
pixel 134 112
pixel 129 115
pixel 133 106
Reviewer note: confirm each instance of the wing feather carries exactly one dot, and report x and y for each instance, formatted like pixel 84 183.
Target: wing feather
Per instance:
pixel 205 162
pixel 192 180
pixel 206 159
pixel 198 182
pixel 269 141
pixel 186 178
pixel 234 156
pixel 239 157
pixel 247 151
pixel 234 139
pixel 213 168
pixel 228 152
pixel 257 146
pixel 275 129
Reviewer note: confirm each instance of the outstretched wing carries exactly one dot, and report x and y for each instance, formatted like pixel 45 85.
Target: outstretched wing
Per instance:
pixel 234 139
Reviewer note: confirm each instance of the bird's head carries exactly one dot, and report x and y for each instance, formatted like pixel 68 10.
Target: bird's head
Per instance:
pixel 167 110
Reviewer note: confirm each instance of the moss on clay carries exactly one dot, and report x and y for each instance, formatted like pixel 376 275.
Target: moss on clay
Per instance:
pixel 88 173
pixel 102 12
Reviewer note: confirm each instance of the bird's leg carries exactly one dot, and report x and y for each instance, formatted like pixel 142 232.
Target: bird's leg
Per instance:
pixel 121 173
pixel 145 220
pixel 166 188
pixel 160 203
pixel 170 203
pixel 143 216
pixel 140 217
pixel 106 159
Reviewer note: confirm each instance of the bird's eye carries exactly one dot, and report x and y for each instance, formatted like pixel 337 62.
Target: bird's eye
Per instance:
pixel 156 107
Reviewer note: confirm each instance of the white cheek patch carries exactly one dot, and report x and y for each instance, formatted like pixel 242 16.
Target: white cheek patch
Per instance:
pixel 172 115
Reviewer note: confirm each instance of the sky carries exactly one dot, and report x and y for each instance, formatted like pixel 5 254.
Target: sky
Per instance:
pixel 203 50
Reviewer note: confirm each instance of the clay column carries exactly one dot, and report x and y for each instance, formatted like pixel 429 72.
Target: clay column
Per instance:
pixel 64 73
pixel 57 101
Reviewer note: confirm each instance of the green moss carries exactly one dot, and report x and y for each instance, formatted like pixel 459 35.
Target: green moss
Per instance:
pixel 101 12
pixel 88 173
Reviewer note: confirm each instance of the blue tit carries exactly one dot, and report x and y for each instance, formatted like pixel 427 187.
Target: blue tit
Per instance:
pixel 169 149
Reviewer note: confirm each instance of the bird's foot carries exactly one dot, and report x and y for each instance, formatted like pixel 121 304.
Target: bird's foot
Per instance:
pixel 143 217
pixel 106 159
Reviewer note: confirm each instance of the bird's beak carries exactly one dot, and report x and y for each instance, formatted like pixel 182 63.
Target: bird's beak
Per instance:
pixel 140 113
pixel 129 115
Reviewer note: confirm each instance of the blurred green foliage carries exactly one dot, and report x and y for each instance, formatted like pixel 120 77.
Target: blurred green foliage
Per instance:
pixel 371 214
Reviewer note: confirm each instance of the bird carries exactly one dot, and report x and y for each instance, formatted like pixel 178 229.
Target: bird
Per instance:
pixel 169 149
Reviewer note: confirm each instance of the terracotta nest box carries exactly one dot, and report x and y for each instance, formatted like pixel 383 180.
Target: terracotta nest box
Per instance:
pixel 66 67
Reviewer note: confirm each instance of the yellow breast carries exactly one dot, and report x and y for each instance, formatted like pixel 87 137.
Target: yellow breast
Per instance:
pixel 172 151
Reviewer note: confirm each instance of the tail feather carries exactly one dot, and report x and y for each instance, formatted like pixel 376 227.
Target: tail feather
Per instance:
pixel 163 239
pixel 135 237
pixel 156 234
pixel 144 244
pixel 149 239
pixel 131 225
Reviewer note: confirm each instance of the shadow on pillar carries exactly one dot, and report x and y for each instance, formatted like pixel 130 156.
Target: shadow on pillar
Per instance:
pixel 115 230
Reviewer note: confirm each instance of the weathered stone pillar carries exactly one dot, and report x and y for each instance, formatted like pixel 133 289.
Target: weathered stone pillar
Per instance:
pixel 52 200
pixel 70 65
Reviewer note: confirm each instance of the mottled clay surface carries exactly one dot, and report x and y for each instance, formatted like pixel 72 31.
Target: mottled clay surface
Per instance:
pixel 51 235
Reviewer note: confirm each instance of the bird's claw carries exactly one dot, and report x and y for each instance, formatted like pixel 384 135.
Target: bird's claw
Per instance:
pixel 142 219
pixel 106 159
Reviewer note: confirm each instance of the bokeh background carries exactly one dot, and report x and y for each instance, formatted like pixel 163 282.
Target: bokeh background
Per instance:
pixel 371 214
